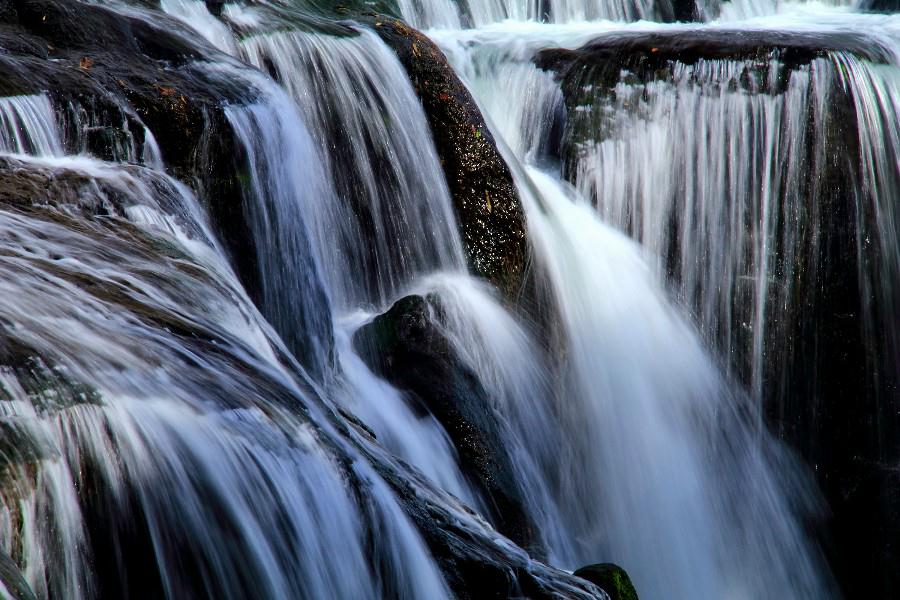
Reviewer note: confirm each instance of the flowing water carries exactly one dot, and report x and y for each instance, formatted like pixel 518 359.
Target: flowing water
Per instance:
pixel 725 171
pixel 148 404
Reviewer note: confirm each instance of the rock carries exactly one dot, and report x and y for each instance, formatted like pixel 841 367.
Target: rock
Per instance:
pixel 611 578
pixel 865 528
pixel 488 208
pixel 646 52
pixel 405 346
pixel 881 6
pixel 215 7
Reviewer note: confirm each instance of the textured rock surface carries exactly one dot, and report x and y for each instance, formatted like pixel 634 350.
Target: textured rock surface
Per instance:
pixel 490 214
pixel 405 346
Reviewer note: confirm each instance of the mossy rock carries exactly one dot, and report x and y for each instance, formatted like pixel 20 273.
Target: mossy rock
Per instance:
pixel 611 578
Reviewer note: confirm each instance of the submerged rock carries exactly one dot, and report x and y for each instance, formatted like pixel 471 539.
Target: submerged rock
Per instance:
pixel 490 214
pixel 406 347
pixel 611 578
pixel 881 6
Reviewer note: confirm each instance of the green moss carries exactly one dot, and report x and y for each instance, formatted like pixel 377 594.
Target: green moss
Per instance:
pixel 611 578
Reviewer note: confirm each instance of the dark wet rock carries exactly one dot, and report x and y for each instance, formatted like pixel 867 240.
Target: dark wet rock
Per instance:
pixel 215 7
pixel 611 578
pixel 488 209
pixel 683 11
pixel 867 522
pixel 406 347
pixel 881 6
pixel 476 565
pixel 647 52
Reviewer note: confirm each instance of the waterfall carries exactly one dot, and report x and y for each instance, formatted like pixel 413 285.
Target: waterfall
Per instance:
pixel 450 14
pixel 393 220
pixel 211 444
pixel 150 435
pixel 728 210
pixel 693 476
pixel 28 126
pixel 381 209
pixel 206 214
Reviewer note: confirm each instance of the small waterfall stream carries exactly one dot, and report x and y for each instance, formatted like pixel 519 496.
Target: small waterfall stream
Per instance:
pixel 702 200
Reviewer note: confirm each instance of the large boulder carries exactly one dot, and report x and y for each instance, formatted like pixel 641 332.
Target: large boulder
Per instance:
pixel 488 208
pixel 406 347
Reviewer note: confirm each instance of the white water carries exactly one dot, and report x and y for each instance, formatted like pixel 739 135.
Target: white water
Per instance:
pixel 369 241
pixel 196 15
pixel 662 441
pixel 450 14
pixel 682 491
pixel 636 448
pixel 392 219
pixel 28 126
pixel 201 439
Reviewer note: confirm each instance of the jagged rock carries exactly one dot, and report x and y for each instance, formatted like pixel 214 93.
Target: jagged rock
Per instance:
pixel 487 204
pixel 611 578
pixel 405 346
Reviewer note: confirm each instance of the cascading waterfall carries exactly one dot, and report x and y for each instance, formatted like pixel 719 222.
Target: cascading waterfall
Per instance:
pixel 733 168
pixel 165 432
pixel 674 443
pixel 744 233
pixel 449 14
pixel 395 227
pixel 732 177
pixel 694 479
pixel 394 219
pixel 213 453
